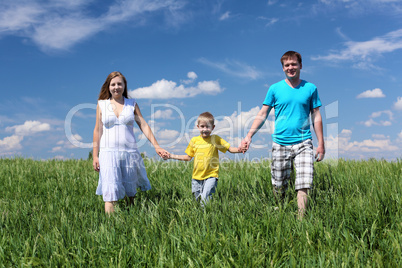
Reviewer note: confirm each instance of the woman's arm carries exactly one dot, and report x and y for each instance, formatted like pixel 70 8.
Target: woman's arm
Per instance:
pixel 144 127
pixel 98 131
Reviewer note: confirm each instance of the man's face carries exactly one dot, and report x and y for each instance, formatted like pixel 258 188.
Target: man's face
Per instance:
pixel 292 68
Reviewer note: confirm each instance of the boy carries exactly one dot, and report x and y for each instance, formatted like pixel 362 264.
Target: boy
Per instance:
pixel 204 148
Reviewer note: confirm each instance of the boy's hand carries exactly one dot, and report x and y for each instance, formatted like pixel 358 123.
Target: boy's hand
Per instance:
pixel 166 156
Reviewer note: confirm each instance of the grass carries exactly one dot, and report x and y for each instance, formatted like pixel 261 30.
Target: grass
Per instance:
pixel 51 217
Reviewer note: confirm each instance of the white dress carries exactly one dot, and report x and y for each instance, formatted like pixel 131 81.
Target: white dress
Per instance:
pixel 122 168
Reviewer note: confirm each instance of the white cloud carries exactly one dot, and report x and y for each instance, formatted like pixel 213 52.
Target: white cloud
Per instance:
pixel 67 144
pixel 364 52
pixel 268 21
pixel 344 146
pixel 379 136
pixel 192 76
pixel 234 68
pixel 59 25
pixel 375 93
pixel 225 16
pixel 166 114
pixel 235 127
pixel 29 128
pixel 378 114
pixel 11 143
pixel 398 104
pixel 164 89
pixel 371 122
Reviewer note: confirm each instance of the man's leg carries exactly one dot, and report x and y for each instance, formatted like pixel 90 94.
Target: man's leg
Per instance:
pixel 302 199
pixel 281 170
pixel 304 163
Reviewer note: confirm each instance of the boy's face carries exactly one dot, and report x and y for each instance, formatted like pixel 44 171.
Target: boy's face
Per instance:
pixel 205 128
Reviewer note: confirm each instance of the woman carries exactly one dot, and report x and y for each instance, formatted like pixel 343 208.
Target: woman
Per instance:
pixel 120 165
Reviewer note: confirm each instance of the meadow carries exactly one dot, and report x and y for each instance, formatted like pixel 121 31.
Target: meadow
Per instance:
pixel 51 217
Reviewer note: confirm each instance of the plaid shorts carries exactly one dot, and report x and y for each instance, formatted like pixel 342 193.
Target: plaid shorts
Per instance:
pixel 283 158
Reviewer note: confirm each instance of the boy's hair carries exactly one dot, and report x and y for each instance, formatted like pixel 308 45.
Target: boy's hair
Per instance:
pixel 291 54
pixel 207 116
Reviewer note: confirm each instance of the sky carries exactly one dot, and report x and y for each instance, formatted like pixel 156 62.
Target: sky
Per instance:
pixel 185 57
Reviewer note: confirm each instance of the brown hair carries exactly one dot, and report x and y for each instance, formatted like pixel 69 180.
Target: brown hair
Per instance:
pixel 105 94
pixel 291 54
pixel 207 116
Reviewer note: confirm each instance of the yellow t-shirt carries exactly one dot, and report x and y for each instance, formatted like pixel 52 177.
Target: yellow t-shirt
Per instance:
pixel 206 156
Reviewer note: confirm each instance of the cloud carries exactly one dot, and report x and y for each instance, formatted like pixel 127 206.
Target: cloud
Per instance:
pixel 11 143
pixel 399 138
pixel 192 76
pixel 59 25
pixel 164 89
pixel 342 144
pixel 166 114
pixel 29 128
pixel 225 16
pixel 234 68
pixel 398 104
pixel 372 122
pixel 363 53
pixel 62 145
pixel 269 21
pixel 375 93
pixel 356 7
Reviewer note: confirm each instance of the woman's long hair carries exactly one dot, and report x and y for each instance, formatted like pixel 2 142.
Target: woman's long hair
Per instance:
pixel 105 92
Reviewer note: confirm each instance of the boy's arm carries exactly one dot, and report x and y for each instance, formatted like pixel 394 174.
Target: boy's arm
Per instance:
pixel 183 157
pixel 234 150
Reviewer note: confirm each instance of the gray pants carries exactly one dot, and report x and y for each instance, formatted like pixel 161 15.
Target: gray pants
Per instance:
pixel 203 189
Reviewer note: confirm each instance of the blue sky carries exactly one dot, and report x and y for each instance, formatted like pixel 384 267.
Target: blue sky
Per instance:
pixel 182 58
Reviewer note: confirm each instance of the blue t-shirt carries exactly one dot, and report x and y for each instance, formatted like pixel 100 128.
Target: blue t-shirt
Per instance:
pixel 292 110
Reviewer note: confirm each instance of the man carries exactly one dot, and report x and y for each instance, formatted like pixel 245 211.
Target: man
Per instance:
pixel 293 100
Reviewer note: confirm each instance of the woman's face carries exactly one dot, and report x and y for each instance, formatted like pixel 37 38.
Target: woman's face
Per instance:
pixel 116 87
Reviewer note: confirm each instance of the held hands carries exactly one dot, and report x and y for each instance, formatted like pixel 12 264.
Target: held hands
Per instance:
pixel 162 153
pixel 244 145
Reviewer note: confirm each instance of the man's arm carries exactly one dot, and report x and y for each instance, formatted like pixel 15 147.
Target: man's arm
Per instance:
pixel 318 129
pixel 257 124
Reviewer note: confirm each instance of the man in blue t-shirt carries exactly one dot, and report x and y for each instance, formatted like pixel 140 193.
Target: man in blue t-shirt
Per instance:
pixel 293 100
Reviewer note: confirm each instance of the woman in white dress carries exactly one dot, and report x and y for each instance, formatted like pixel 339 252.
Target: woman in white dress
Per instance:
pixel 120 165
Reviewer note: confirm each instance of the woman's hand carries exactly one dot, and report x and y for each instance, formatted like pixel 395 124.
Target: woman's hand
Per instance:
pixel 95 164
pixel 162 153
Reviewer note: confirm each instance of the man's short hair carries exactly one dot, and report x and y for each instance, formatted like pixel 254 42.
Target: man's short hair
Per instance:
pixel 291 54
pixel 207 116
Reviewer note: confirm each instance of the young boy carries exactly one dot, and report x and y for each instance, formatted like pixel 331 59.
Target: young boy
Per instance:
pixel 204 148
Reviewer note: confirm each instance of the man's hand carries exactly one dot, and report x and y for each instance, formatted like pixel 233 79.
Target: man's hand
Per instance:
pixel 319 156
pixel 244 145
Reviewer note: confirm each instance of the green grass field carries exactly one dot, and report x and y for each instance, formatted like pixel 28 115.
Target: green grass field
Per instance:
pixel 51 217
